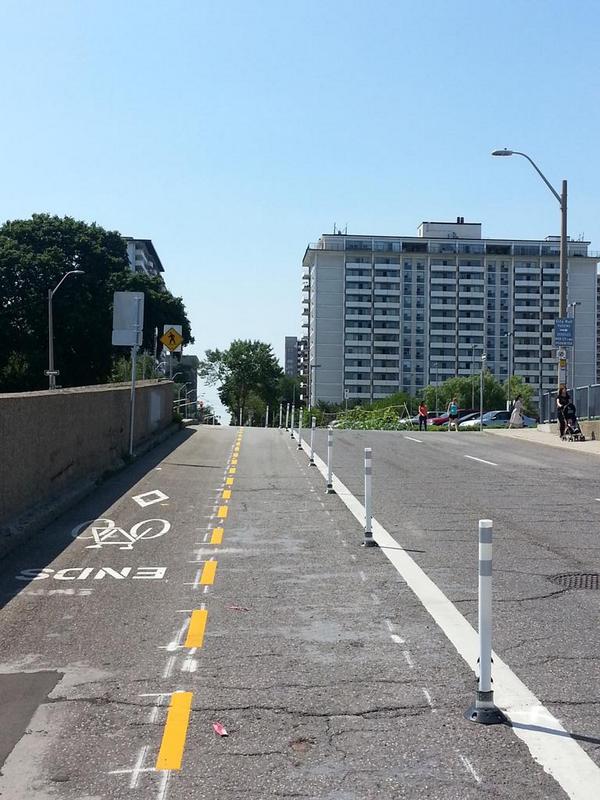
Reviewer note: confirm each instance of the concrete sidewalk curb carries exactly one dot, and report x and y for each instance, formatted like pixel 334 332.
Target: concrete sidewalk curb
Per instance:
pixel 590 446
pixel 20 529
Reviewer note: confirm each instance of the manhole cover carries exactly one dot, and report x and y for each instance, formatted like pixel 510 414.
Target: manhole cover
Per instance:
pixel 577 580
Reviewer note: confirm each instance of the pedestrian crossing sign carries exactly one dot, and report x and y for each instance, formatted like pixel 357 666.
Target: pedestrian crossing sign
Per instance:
pixel 172 338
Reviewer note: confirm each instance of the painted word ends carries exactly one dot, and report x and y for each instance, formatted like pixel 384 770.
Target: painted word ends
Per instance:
pixel 92 573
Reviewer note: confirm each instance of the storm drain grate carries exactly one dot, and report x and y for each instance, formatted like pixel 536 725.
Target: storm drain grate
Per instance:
pixel 577 580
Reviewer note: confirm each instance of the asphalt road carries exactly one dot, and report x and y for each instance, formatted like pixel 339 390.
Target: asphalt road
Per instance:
pixel 430 490
pixel 126 639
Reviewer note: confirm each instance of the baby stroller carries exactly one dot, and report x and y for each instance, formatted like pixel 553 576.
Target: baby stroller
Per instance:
pixel 572 430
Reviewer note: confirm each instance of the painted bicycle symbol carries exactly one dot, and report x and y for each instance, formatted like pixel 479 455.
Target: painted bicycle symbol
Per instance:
pixel 104 532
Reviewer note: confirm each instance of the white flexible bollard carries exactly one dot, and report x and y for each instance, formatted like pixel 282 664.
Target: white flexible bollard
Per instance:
pixel 368 540
pixel 484 711
pixel 280 413
pixel 312 441
pixel 292 425
pixel 299 429
pixel 267 418
pixel 287 416
pixel 330 489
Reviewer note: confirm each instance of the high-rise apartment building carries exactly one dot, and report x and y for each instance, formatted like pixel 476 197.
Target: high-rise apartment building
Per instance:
pixel 296 361
pixel 291 356
pixel 143 256
pixel 389 313
pixel 598 329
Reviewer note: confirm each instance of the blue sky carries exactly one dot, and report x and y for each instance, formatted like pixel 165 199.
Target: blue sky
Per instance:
pixel 233 133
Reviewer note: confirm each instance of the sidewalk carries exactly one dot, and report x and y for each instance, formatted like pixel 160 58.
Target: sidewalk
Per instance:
pixel 552 439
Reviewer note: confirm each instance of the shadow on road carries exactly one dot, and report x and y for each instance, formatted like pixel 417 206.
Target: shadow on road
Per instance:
pixel 46 544
pixel 579 737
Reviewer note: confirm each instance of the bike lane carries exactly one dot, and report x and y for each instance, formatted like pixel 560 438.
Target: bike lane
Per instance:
pixel 103 615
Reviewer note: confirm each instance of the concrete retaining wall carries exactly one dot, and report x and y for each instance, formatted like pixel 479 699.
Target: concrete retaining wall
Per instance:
pixel 51 440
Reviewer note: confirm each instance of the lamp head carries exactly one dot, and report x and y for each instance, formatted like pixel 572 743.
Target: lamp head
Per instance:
pixel 504 152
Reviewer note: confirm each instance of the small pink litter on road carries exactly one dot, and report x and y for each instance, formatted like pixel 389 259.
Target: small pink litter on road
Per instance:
pixel 219 729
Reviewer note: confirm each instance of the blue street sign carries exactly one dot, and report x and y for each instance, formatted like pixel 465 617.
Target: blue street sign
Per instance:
pixel 563 332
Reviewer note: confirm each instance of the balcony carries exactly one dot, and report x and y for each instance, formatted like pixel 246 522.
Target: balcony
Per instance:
pixel 527 296
pixel 366 290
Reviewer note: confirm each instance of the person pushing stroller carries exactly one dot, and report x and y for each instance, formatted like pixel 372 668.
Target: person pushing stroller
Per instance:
pixel 572 432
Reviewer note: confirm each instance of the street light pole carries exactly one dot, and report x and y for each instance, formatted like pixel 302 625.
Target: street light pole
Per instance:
pixel 473 346
pixel 483 358
pixel 562 201
pixel 51 372
pixel 509 336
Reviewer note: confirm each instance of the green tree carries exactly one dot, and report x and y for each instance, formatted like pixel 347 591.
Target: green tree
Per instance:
pixel 288 388
pixel 160 307
pixel 245 372
pixel 526 390
pixel 466 390
pixel 34 255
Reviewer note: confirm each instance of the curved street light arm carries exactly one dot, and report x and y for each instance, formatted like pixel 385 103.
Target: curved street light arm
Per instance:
pixel 541 174
pixel 64 277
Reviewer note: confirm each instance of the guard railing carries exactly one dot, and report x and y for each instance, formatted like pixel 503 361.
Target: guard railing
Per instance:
pixel 585 398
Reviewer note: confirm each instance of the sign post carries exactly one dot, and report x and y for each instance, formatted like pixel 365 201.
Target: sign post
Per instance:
pixel 563 337
pixel 128 328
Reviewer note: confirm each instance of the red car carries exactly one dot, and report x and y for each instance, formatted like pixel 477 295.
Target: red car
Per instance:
pixel 443 418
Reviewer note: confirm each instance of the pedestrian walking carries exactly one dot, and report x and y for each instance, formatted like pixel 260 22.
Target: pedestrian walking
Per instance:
pixel 453 414
pixel 422 415
pixel 516 417
pixel 562 400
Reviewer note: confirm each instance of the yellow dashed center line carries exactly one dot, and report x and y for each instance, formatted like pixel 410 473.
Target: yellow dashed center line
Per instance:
pixel 232 470
pixel 229 481
pixel 208 573
pixel 222 512
pixel 234 461
pixel 226 494
pixel 217 536
pixel 173 741
pixel 196 628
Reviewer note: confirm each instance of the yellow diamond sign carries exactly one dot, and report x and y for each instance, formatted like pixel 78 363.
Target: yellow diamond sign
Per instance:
pixel 171 339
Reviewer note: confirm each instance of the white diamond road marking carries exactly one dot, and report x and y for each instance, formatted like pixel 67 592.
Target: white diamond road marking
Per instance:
pixel 149 498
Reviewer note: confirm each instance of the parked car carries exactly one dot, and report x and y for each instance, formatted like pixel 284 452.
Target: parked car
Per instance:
pixel 443 418
pixel 493 419
pixel 464 418
pixel 431 415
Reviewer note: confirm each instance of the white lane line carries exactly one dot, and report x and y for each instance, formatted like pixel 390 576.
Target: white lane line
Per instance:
pixel 363 577
pixel 548 742
pixel 389 624
pixel 375 599
pixel 482 460
pixel 397 639
pixel 164 782
pixel 175 643
pixel 429 700
pixel 135 775
pixel 153 715
pixel 408 657
pixel 469 767
pixel 412 438
pixel 169 667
